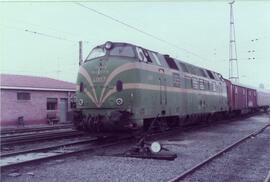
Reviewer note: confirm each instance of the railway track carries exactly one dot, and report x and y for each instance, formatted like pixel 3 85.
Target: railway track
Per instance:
pixel 267 179
pixel 27 130
pixel 36 137
pixel 24 157
pixel 70 148
pixel 196 126
pixel 18 135
pixel 15 159
pixel 216 155
pixel 44 149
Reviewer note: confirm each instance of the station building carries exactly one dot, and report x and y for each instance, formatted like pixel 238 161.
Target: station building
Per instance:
pixel 35 99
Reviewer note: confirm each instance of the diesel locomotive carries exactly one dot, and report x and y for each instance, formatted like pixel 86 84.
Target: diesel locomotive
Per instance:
pixel 124 87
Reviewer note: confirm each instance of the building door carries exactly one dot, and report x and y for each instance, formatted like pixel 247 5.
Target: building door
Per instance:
pixel 63 109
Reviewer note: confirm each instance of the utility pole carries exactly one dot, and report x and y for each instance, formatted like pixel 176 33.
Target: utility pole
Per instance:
pixel 233 64
pixel 80 53
pixel 58 68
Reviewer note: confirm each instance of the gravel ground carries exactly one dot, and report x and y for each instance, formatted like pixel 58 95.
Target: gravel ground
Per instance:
pixel 248 162
pixel 191 148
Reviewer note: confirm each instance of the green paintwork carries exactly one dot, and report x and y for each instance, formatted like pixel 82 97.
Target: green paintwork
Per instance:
pixel 147 103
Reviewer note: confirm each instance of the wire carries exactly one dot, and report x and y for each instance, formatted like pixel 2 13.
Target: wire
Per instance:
pixel 19 21
pixel 42 34
pixel 139 30
pixel 48 35
pixel 38 33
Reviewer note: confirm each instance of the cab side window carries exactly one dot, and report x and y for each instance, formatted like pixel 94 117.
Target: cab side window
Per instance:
pixel 143 55
pixel 171 63
pixel 210 74
pixel 146 54
pixel 140 54
pixel 154 56
pixel 183 66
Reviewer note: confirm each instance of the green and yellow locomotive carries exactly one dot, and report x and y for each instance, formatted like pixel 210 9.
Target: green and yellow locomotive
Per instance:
pixel 121 86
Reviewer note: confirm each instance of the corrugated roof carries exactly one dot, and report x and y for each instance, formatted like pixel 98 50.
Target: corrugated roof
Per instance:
pixel 34 82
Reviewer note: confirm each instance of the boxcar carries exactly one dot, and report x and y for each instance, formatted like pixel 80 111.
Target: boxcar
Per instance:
pixel 263 99
pixel 252 98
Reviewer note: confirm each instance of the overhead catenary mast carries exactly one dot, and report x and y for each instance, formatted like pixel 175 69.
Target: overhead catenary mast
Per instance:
pixel 233 64
pixel 80 53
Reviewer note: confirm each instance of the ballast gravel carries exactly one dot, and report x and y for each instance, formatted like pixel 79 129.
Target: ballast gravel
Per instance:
pixel 249 162
pixel 191 148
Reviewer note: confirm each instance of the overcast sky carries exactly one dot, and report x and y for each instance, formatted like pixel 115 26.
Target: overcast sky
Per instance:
pixel 198 29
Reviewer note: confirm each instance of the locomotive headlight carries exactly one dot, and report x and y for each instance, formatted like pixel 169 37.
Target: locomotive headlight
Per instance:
pixel 108 45
pixel 119 101
pixel 80 102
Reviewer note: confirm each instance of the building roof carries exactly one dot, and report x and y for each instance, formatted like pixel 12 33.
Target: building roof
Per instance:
pixel 24 82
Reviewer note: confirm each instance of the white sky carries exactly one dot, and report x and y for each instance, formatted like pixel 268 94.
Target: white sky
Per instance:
pixel 201 27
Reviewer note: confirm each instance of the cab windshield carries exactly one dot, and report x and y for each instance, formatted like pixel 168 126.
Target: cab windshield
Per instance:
pixel 115 50
pixel 122 50
pixel 96 52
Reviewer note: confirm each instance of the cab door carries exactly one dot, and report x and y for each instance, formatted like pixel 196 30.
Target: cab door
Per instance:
pixel 162 91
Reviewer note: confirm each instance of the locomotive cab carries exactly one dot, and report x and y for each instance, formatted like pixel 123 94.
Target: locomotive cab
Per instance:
pixel 105 94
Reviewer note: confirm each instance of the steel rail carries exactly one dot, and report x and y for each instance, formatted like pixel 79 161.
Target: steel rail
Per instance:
pixel 39 137
pixel 196 126
pixel 43 149
pixel 35 133
pixel 267 179
pixel 25 136
pixel 199 165
pixel 68 153
pixel 25 130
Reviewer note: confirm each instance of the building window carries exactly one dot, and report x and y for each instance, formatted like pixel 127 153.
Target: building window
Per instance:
pixel 23 96
pixel 51 103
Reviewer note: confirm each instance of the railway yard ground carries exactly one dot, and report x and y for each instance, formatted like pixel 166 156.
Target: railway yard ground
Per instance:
pixel 248 161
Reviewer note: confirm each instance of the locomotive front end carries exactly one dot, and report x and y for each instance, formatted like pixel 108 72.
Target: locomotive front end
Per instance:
pixel 102 102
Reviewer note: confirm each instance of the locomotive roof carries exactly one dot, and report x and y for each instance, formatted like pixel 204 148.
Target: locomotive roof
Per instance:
pixel 179 60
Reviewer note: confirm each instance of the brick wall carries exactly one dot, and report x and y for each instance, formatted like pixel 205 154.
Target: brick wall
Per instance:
pixel 34 110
